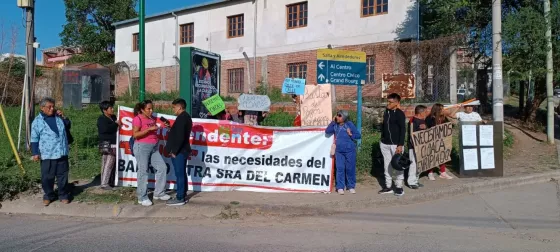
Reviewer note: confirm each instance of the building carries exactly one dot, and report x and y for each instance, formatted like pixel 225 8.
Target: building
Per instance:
pixel 285 35
pixel 58 56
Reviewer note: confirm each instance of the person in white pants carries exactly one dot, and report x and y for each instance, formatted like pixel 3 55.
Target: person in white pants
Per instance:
pixel 392 141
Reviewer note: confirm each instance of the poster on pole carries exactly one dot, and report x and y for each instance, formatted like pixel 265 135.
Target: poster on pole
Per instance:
pixel 433 146
pixel 316 106
pixel 205 74
pixel 228 156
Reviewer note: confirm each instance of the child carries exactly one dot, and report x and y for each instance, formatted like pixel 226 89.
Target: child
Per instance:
pixel 417 123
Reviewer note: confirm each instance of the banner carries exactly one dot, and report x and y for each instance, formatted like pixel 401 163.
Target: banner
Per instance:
pixel 228 156
pixel 433 146
pixel 316 106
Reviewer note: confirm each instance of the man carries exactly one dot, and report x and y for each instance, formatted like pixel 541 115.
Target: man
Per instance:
pixel 49 144
pixel 179 147
pixel 392 142
pixel 417 123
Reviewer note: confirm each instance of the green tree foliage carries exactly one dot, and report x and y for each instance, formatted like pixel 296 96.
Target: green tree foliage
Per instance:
pixel 89 26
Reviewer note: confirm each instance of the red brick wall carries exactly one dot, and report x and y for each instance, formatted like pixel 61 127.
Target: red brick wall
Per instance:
pixel 277 71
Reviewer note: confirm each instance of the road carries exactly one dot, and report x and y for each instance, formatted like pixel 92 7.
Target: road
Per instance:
pixel 519 219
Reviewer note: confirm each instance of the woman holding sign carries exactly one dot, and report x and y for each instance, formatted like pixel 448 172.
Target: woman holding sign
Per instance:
pixel 437 116
pixel 345 134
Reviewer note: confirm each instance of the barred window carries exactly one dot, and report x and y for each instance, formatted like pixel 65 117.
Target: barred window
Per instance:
pixel 374 7
pixel 236 26
pixel 236 79
pixel 297 70
pixel 370 69
pixel 187 33
pixel 296 15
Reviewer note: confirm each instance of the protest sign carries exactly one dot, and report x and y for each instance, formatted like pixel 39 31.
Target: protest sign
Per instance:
pixel 293 86
pixel 214 104
pixel 254 102
pixel 316 106
pixel 228 156
pixel 432 147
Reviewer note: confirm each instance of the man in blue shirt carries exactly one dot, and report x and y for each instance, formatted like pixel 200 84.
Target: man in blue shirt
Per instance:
pixel 49 144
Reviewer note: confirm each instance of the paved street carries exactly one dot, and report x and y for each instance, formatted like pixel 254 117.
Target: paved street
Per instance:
pixel 519 219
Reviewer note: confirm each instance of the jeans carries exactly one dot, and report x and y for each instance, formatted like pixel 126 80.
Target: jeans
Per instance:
pixel 345 170
pixel 180 165
pixel 388 151
pixel 51 168
pixel 412 174
pixel 146 154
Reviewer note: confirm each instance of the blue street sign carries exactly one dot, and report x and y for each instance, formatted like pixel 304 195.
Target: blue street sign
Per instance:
pixel 340 67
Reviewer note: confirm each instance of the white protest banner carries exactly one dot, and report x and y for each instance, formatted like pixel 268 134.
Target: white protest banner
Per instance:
pixel 234 157
pixel 254 102
pixel 316 106
pixel 432 147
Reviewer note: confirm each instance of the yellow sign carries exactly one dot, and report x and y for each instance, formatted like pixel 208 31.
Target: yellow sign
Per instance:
pixel 341 55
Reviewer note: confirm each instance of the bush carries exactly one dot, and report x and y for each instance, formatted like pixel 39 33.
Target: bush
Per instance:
pixel 279 119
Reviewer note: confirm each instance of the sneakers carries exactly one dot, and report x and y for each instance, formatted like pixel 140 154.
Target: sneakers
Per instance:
pixel 107 188
pixel 399 192
pixel 353 191
pixel 444 175
pixel 415 187
pixel 46 202
pixel 386 191
pixel 146 202
pixel 176 202
pixel 162 197
pixel 431 176
pixel 340 191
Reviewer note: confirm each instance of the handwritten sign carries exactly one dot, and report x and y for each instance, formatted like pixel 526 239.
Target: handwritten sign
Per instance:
pixel 433 146
pixel 316 107
pixel 214 104
pixel 293 86
pixel 254 102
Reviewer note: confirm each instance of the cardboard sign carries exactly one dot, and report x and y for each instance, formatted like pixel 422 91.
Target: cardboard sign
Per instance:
pixel 316 106
pixel 433 146
pixel 293 86
pixel 402 84
pixel 254 102
pixel 214 104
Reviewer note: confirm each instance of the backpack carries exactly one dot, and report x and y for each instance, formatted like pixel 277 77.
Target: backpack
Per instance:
pixel 131 139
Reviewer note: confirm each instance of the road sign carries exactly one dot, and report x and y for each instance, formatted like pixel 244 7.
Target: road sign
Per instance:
pixel 339 67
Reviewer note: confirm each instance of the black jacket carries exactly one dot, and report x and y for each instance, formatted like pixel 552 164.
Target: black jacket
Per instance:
pixel 179 135
pixel 415 124
pixel 394 127
pixel 107 129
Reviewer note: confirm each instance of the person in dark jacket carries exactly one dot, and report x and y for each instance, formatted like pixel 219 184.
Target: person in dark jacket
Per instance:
pixel 392 141
pixel 418 123
pixel 179 147
pixel 345 134
pixel 107 127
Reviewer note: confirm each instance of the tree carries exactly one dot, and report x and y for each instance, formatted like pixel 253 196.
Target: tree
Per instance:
pixel 90 27
pixel 525 48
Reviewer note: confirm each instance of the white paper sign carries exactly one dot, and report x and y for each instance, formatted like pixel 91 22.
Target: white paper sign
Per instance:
pixel 254 102
pixel 487 158
pixel 470 159
pixel 486 136
pixel 468 133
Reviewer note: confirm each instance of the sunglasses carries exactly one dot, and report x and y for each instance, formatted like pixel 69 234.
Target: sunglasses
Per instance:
pixel 339 115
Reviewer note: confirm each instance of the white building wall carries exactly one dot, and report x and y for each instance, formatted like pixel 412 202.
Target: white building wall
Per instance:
pixel 335 22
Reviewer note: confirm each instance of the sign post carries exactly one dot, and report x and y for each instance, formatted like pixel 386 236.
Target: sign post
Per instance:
pixel 339 67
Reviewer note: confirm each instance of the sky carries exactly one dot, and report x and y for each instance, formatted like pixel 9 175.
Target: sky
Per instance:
pixel 50 18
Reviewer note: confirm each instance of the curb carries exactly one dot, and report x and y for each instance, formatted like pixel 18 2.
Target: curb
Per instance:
pixel 216 209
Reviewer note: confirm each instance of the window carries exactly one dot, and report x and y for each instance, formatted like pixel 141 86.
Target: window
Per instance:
pixel 297 15
pixel 187 33
pixel 370 70
pixel 297 70
pixel 236 26
pixel 135 42
pixel 236 79
pixel 374 7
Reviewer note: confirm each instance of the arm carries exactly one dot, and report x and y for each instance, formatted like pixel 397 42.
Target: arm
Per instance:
pixel 106 128
pixel 35 137
pixel 401 122
pixel 137 133
pixel 355 133
pixel 176 136
pixel 330 128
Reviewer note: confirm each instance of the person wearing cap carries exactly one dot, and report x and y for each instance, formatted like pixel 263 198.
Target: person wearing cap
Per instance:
pixel 345 134
pixel 469 115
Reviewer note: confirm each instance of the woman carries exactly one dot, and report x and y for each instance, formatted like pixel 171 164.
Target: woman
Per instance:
pixel 107 127
pixel 144 131
pixel 437 116
pixel 345 134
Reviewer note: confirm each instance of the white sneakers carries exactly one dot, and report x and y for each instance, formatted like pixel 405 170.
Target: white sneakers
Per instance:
pixel 431 176
pixel 163 197
pixel 148 202
pixel 341 191
pixel 353 191
pixel 444 175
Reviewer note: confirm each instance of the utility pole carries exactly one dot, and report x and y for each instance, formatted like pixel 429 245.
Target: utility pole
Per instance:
pixel 549 76
pixel 142 60
pixel 497 82
pixel 29 69
pixel 255 48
